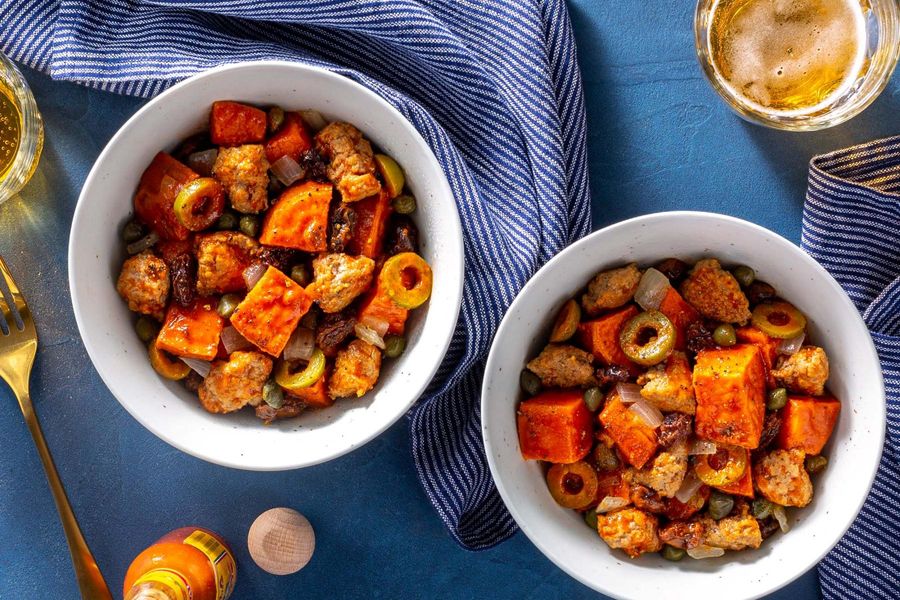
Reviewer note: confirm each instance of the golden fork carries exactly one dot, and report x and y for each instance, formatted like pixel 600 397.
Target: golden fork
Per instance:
pixel 18 345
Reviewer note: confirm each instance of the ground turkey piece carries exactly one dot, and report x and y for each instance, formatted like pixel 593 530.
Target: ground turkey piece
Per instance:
pixel 804 372
pixel 630 529
pixel 352 166
pixel 244 172
pixel 732 533
pixel 144 284
pixel 669 386
pixel 611 289
pixel 563 366
pixel 232 385
pixel 666 472
pixel 221 260
pixel 339 279
pixel 356 370
pixel 781 477
pixel 715 293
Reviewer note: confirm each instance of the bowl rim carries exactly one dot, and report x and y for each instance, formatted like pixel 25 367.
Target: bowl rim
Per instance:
pixel 441 185
pixel 491 368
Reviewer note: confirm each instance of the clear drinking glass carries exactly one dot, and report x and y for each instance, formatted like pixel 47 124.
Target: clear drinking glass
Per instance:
pixel 21 131
pixel 783 64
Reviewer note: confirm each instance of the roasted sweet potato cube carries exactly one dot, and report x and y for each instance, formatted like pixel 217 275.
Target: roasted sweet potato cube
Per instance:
pixel 315 395
pixel 371 219
pixel 269 313
pixel 299 219
pixel 154 200
pixel 292 139
pixel 768 347
pixel 376 303
pixel 233 123
pixel 193 331
pixel 555 426
pixel 807 423
pixel 614 483
pixel 680 313
pixel 730 386
pixel 741 487
pixel 601 338
pixel 635 439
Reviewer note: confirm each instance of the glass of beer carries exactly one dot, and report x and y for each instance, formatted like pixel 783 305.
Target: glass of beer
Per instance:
pixel 21 131
pixel 798 64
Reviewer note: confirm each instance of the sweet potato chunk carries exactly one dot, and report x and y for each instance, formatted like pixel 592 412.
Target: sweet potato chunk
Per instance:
pixel 635 439
pixel 371 219
pixel 768 347
pixel 730 387
pixel 680 313
pixel 601 338
pixel 300 218
pixel 269 313
pixel 376 303
pixel 192 332
pixel 807 423
pixel 233 123
pixel 292 139
pixel 555 426
pixel 154 200
pixel 315 395
pixel 632 530
pixel 741 487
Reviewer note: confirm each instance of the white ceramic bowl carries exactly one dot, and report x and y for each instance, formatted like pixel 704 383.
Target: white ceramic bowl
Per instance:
pixel 96 255
pixel 854 450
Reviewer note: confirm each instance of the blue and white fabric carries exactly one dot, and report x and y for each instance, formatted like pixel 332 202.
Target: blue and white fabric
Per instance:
pixel 851 224
pixel 492 86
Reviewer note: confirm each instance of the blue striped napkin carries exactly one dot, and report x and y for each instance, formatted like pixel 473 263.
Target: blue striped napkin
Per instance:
pixel 851 222
pixel 492 86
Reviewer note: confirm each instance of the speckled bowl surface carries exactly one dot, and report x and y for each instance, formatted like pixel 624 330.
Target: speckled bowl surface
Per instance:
pixel 96 253
pixel 854 450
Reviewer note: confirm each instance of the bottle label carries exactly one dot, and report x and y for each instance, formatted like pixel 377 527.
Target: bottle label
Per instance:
pixel 175 584
pixel 221 559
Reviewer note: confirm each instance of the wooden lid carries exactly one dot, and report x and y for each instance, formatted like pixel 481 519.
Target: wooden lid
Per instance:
pixel 281 541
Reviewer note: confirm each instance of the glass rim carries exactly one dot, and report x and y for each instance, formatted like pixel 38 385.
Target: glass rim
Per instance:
pixel 32 131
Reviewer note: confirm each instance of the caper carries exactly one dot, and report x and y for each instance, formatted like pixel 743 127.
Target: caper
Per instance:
pixel 724 335
pixel 531 383
pixel 720 505
pixel 672 553
pixel 273 395
pixel 249 225
pixel 815 464
pixel 276 118
pixel 404 204
pixel 777 399
pixel 227 304
pixel 593 397
pixel 227 222
pixel 300 274
pixel 132 232
pixel 394 345
pixel 146 329
pixel 761 508
pixel 605 458
pixel 590 519
pixel 744 275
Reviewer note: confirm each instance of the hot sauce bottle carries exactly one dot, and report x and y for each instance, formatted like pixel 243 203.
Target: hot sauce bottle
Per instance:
pixel 190 563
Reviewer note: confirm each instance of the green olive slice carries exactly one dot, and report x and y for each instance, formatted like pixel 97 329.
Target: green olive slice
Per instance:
pixel 315 368
pixel 200 203
pixel 648 338
pixel 779 319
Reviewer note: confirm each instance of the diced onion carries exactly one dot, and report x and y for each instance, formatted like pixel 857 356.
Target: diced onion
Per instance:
pixel 629 392
pixel 652 289
pixel 201 367
pixel 610 503
pixel 791 345
pixel 690 485
pixel 254 273
pixel 287 170
pixel 379 326
pixel 301 345
pixel 647 412
pixel 704 551
pixel 203 162
pixel 702 447
pixel 234 341
pixel 781 516
pixel 367 334
pixel 148 241
pixel 313 119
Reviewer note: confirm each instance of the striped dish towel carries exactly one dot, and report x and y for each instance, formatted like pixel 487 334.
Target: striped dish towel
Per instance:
pixel 851 223
pixel 493 87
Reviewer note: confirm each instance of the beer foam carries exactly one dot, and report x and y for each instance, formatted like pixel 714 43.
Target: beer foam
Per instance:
pixel 789 56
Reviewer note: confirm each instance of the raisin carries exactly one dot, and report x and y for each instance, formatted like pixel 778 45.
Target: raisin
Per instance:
pixel 699 337
pixel 675 428
pixel 195 143
pixel 291 408
pixel 646 499
pixel 184 279
pixel 280 258
pixel 402 235
pixel 771 427
pixel 611 375
pixel 314 165
pixel 768 526
pixel 341 228
pixel 673 268
pixel 759 292
pixel 193 381
pixel 333 329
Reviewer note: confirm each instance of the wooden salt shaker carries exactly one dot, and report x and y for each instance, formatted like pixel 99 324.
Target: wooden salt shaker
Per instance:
pixel 281 541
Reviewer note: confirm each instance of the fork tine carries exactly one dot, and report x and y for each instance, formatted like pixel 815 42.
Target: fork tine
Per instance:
pixel 9 290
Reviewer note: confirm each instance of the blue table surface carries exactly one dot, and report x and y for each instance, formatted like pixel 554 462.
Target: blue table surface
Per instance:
pixel 660 139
